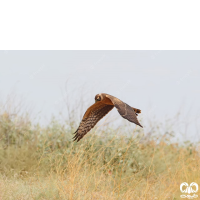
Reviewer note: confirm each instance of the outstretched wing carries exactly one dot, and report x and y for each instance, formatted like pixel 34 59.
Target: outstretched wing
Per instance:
pixel 93 114
pixel 125 110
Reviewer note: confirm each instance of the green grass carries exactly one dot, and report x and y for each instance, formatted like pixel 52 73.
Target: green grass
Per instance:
pixel 43 163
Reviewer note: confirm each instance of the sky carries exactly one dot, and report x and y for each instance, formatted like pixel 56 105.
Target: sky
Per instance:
pixel 160 83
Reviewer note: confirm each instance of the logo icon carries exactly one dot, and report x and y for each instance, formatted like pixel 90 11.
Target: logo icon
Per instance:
pixel 189 189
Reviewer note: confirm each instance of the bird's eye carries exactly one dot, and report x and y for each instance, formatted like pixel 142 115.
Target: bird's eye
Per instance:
pixel 98 98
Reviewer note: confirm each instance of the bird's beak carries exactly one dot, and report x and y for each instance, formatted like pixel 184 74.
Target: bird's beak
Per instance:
pixel 95 101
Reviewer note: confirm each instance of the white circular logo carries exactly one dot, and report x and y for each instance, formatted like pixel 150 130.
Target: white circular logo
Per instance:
pixel 189 189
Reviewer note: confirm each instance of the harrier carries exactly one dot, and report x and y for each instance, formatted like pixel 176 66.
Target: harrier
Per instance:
pixel 103 104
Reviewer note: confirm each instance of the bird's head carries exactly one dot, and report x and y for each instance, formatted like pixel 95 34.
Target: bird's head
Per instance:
pixel 98 97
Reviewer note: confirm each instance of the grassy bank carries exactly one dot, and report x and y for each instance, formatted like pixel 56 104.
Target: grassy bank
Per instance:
pixel 43 163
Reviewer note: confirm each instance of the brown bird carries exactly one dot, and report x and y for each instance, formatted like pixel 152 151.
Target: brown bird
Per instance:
pixel 103 104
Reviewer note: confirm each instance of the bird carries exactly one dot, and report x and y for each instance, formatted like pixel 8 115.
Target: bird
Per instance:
pixel 104 103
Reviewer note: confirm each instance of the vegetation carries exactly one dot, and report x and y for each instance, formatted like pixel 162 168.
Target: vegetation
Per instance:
pixel 39 162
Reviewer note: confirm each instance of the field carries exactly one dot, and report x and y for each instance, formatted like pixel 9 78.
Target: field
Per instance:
pixel 38 162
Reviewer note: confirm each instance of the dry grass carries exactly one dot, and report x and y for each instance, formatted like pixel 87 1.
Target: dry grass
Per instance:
pixel 43 163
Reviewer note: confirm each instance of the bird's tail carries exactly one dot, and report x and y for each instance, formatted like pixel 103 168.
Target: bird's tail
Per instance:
pixel 137 111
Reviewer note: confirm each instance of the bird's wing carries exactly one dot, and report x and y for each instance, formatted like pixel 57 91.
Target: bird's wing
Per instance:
pixel 124 110
pixel 93 114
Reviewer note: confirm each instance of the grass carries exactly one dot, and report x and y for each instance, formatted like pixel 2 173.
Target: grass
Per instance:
pixel 43 163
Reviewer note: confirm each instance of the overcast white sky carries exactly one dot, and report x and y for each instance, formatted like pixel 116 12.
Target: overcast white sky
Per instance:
pixel 162 81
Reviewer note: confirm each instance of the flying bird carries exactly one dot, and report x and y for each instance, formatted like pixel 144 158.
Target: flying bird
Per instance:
pixel 104 103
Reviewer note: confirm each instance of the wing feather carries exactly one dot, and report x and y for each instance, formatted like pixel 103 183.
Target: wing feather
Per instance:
pixel 125 110
pixel 93 114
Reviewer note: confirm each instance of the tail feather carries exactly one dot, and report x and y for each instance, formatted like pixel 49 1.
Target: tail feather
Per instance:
pixel 137 111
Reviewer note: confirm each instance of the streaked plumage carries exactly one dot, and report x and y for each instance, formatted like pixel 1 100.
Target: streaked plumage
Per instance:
pixel 104 103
